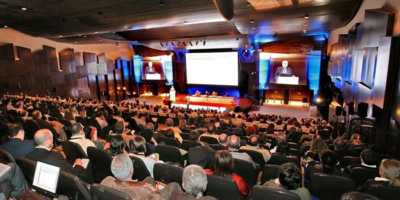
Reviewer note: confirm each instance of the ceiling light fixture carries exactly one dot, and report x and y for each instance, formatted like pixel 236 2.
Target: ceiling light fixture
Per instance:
pixel 24 8
pixel 252 21
pixel 5 26
pixel 306 17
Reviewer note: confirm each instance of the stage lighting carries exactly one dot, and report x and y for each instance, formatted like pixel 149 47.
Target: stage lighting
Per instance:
pixel 319 100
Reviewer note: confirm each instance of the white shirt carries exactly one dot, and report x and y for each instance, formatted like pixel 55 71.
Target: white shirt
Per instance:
pixel 82 141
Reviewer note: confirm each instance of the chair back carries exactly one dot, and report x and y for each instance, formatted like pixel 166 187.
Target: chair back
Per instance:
pixel 262 192
pixel 246 170
pixel 384 192
pixel 73 151
pixel 100 163
pixel 330 187
pixel 256 156
pixel 209 140
pixel 187 144
pixel 101 192
pixel 27 166
pixel 362 174
pixel 270 172
pixel 167 173
pixel 169 154
pixel 5 156
pixel 72 187
pixel 222 188
pixel 140 170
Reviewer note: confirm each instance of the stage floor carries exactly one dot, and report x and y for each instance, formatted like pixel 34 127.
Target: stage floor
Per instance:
pixel 283 110
pixel 288 111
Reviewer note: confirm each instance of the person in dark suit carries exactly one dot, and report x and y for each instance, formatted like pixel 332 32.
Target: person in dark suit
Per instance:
pixel 43 153
pixel 16 144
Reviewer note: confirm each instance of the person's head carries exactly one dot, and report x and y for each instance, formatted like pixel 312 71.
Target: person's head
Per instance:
pixel 370 157
pixel 253 140
pixel 289 176
pixel 318 145
pixel 119 127
pixel 357 196
pixel 138 144
pixel 169 122
pixel 234 142
pixel 117 145
pixel 122 167
pixel 390 169
pixel 222 138
pixel 44 137
pixel 329 161
pixel 16 131
pixel 77 129
pixel 223 162
pixel 36 115
pixel 355 139
pixel 194 180
pixel 150 126
pixel 285 63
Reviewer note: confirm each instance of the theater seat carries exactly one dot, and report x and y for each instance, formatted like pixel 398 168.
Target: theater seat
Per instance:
pixel 167 173
pixel 28 168
pixel 262 192
pixel 256 156
pixel 209 140
pixel 170 154
pixel 100 192
pixel 362 174
pixel 270 172
pixel 100 163
pixel 384 192
pixel 140 171
pixel 72 187
pixel 330 187
pixel 246 170
pixel 73 151
pixel 222 188
pixel 6 157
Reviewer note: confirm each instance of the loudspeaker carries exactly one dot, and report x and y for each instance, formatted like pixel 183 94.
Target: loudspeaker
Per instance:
pixel 225 7
pixel 362 110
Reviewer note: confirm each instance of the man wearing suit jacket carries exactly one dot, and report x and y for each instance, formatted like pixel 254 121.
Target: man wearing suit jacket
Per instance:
pixel 42 152
pixel 16 144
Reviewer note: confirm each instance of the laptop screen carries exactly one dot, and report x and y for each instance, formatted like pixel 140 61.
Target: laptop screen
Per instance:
pixel 46 177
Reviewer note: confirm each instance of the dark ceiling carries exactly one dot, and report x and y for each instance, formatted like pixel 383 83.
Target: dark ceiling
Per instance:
pixel 89 21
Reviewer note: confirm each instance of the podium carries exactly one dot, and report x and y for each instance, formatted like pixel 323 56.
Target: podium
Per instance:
pixel 287 80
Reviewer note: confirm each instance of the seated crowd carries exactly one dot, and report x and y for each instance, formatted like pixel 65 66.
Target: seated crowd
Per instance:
pixel 248 150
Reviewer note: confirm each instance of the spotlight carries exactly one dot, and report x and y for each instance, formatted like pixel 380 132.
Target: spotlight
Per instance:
pixel 306 17
pixel 24 8
pixel 318 100
pixel 252 21
pixel 5 26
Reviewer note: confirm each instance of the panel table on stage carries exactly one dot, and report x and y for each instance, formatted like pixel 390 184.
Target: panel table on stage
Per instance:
pixel 210 99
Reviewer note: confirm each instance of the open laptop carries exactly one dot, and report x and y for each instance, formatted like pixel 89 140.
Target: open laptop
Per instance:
pixel 45 179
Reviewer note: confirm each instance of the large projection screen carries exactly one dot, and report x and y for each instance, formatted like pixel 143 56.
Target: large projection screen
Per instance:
pixel 212 68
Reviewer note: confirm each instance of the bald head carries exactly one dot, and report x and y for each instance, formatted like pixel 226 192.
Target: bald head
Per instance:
pixel 44 137
pixel 234 142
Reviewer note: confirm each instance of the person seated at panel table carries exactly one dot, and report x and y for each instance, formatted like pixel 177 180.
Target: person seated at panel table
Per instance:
pixel 284 70
pixel 214 93
pixel 197 93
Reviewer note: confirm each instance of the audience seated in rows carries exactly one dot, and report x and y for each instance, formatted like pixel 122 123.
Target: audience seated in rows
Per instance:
pixel 223 166
pixel 290 179
pixel 16 144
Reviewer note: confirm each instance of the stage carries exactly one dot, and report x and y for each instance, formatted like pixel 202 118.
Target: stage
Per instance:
pixel 283 110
